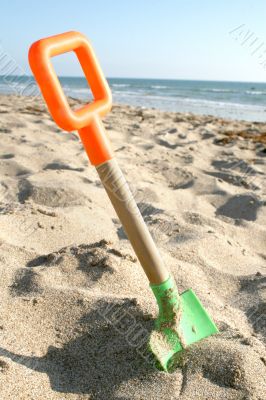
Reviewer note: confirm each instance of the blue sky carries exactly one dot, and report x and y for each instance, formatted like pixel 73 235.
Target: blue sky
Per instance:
pixel 169 39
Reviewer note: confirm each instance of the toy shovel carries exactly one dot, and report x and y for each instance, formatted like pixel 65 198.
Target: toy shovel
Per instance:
pixel 182 319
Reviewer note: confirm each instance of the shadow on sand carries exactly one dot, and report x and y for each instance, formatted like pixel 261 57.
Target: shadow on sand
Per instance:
pixel 102 358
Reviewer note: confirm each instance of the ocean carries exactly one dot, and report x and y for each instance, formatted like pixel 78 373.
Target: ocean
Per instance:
pixel 236 100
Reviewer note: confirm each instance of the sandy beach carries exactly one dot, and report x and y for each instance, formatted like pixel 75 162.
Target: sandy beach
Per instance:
pixel 67 269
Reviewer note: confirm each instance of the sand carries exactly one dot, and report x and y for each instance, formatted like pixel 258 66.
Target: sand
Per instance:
pixel 75 304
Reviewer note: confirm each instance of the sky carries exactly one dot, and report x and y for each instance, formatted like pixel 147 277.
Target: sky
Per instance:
pixel 166 39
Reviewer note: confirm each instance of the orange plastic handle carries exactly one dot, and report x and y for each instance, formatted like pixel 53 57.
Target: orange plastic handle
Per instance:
pixel 86 119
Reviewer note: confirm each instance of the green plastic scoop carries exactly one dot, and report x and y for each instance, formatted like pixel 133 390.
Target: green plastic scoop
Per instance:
pixel 182 321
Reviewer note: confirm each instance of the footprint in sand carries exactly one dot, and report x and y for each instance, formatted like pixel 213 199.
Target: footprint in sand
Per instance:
pixel 17 125
pixel 172 141
pixel 7 156
pixel 207 135
pixel 148 209
pixel 195 218
pixel 178 178
pixel 186 159
pixel 5 130
pixel 236 171
pixel 234 164
pixel 50 196
pixel 234 179
pixel 146 195
pixel 168 139
pixel 243 206
pixel 11 168
pixel 61 166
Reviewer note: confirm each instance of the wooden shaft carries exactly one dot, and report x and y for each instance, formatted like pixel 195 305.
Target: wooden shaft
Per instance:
pixel 137 232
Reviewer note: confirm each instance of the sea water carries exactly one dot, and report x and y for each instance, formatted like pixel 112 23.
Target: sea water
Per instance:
pixel 237 100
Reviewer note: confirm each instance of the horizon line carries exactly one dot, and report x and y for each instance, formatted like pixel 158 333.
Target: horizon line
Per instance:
pixel 143 78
